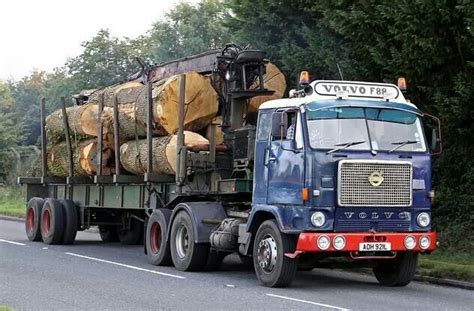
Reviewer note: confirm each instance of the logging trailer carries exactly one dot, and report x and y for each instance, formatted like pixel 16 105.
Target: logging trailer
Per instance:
pixel 340 169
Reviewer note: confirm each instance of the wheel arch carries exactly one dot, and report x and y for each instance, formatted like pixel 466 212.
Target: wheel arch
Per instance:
pixel 199 211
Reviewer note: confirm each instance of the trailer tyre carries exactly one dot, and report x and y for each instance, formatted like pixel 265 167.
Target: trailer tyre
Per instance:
pixel 131 236
pixel 70 221
pixel 272 267
pixel 156 238
pixel 186 254
pixel 108 233
pixel 398 271
pixel 33 219
pixel 52 222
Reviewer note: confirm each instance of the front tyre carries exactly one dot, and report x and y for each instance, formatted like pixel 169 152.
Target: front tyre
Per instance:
pixel 186 254
pixel 272 267
pixel 399 271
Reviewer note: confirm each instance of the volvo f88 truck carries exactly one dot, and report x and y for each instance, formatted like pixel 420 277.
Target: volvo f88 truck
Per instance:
pixel 338 170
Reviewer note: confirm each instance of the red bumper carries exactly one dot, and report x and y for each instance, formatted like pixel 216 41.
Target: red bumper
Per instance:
pixel 307 242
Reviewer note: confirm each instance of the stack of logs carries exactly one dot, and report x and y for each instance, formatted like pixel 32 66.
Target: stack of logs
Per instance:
pixel 201 108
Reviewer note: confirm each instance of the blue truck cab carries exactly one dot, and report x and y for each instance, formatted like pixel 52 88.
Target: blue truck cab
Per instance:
pixel 345 169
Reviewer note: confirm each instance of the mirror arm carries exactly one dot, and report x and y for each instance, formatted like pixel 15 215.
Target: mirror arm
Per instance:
pixel 438 121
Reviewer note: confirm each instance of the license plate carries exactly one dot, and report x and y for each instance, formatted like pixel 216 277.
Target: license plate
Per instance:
pixel 374 247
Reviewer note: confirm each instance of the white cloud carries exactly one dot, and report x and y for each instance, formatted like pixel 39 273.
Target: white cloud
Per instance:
pixel 42 34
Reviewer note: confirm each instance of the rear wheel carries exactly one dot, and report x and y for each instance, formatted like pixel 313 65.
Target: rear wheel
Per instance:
pixel 399 271
pixel 272 267
pixel 70 221
pixel 186 254
pixel 108 233
pixel 52 222
pixel 33 219
pixel 157 246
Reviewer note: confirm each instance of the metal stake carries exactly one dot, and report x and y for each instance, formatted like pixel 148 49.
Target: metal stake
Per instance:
pixel 116 136
pixel 149 112
pixel 100 136
pixel 181 148
pixel 70 163
pixel 44 160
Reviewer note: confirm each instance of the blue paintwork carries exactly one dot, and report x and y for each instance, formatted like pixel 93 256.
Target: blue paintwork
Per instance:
pixel 278 184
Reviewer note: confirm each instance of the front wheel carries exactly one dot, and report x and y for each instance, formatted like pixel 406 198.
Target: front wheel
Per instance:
pixel 399 271
pixel 272 267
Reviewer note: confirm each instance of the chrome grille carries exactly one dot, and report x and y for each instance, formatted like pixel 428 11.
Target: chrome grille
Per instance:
pixel 356 190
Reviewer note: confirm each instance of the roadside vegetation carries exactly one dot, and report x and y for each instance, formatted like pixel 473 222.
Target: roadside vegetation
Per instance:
pixel 12 201
pixel 449 265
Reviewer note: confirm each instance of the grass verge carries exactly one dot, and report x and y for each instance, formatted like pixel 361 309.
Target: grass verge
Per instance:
pixel 12 201
pixel 448 264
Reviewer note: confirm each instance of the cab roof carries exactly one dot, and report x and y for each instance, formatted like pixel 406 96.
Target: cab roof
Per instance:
pixel 326 94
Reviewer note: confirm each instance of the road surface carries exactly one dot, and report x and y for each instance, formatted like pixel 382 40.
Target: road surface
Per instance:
pixel 92 275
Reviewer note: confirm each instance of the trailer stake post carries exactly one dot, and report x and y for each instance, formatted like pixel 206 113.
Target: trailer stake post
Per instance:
pixel 116 136
pixel 44 159
pixel 70 163
pixel 149 123
pixel 100 136
pixel 181 148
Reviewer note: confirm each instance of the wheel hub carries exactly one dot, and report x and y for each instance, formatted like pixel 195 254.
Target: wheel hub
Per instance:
pixel 30 220
pixel 182 241
pixel 155 238
pixel 267 253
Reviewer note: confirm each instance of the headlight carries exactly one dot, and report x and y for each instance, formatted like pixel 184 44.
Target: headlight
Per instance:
pixel 410 242
pixel 318 219
pixel 425 242
pixel 423 219
pixel 339 242
pixel 324 242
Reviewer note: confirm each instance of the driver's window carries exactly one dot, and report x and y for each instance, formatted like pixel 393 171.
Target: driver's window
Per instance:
pixel 290 132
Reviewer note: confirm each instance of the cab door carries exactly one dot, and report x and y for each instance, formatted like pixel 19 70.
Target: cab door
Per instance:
pixel 285 160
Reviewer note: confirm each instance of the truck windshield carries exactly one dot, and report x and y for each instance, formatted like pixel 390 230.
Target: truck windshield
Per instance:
pixel 376 128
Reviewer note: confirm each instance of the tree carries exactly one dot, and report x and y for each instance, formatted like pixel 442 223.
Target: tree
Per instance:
pixel 189 29
pixel 105 60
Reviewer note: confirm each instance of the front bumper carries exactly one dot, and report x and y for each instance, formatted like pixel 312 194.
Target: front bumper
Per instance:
pixel 307 242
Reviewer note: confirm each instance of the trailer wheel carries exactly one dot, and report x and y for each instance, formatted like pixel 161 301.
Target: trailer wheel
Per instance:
pixel 186 254
pixel 399 271
pixel 272 268
pixel 130 236
pixel 52 222
pixel 156 240
pixel 108 233
pixel 33 219
pixel 70 221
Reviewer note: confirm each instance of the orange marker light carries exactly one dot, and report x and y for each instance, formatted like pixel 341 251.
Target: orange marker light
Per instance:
pixel 304 78
pixel 305 194
pixel 402 84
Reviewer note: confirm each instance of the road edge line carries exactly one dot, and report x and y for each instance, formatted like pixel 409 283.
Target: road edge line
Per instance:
pixel 308 302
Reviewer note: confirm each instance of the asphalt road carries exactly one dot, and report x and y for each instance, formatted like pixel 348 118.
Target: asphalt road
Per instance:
pixel 92 275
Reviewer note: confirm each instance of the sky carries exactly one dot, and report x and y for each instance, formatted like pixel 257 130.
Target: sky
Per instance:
pixel 43 34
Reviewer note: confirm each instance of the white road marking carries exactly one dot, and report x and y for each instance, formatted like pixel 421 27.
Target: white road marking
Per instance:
pixel 308 302
pixel 126 266
pixel 12 242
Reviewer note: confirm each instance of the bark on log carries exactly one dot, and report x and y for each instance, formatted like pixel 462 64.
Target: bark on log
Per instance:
pixel 82 121
pixel 201 103
pixel 85 157
pixel 133 154
pixel 274 80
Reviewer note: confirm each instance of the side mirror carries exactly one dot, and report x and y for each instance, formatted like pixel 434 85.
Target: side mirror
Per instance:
pixel 436 146
pixel 279 125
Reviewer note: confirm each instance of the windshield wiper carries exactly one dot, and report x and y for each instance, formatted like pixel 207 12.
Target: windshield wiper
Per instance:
pixel 401 144
pixel 345 145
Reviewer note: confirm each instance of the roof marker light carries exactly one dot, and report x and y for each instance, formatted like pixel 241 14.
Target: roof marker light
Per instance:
pixel 402 84
pixel 304 78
